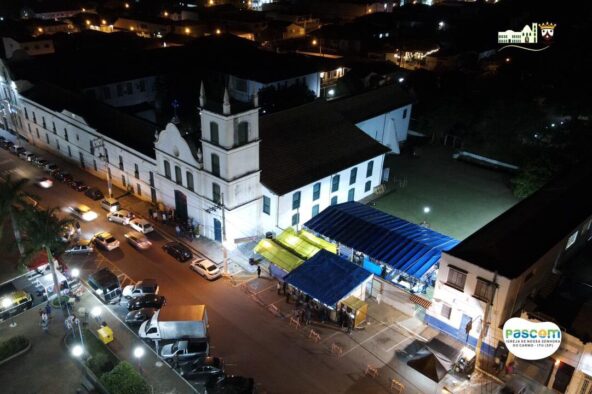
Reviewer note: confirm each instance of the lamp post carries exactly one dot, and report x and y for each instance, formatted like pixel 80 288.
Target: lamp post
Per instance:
pixel 6 303
pixel 138 354
pixel 77 351
pixel 426 211
pixel 96 313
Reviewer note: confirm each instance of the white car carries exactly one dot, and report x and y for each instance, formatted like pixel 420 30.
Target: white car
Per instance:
pixel 45 183
pixel 205 268
pixel 138 240
pixel 141 225
pixel 143 287
pixel 82 247
pixel 105 240
pixel 122 217
pixel 83 212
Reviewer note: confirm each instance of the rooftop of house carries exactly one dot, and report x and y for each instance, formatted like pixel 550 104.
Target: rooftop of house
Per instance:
pixel 296 151
pixel 367 105
pixel 518 238
pixel 133 132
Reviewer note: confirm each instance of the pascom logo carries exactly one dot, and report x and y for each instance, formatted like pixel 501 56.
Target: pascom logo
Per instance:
pixel 531 341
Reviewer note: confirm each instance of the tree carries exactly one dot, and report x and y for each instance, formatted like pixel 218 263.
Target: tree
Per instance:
pixel 42 229
pixel 11 193
pixel 124 379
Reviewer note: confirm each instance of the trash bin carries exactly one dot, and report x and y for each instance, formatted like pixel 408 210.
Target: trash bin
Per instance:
pixel 105 334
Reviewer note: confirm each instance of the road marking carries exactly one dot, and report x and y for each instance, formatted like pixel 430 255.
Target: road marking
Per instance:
pixel 358 344
pixel 396 345
pixel 278 300
pixel 267 288
pixel 332 335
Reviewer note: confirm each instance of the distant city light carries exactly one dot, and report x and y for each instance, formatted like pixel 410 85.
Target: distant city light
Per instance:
pixel 552 124
pixel 187 30
pixel 508 60
pixel 126 5
pixel 166 13
pixel 314 42
pixel 218 31
pixel 103 22
pixel 88 22
pixel 401 80
pixel 441 25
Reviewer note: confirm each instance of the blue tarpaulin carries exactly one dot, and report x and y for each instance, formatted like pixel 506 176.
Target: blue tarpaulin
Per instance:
pixel 402 245
pixel 327 277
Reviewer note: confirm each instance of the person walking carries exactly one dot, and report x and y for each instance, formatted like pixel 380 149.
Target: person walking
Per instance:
pixel 48 309
pixel 178 230
pixel 164 217
pixel 258 271
pixel 287 296
pixel 279 288
pixel 155 215
pixel 307 314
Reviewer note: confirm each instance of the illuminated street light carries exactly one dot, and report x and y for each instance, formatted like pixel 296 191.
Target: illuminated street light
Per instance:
pixel 331 92
pixel 103 22
pixel 218 31
pixel 401 80
pixel 426 210
pixel 96 313
pixel 138 353
pixel 166 13
pixel 77 351
pixel 7 303
pixel 508 60
pixel 314 42
pixel 75 273
pixel 126 5
pixel 88 22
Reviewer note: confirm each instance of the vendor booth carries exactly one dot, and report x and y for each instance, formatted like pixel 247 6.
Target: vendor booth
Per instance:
pixel 329 280
pixel 357 308
pixel 402 252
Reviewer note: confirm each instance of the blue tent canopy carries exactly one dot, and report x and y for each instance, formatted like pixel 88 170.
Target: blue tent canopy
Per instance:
pixel 396 242
pixel 327 277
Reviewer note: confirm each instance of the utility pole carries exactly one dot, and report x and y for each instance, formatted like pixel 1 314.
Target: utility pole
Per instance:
pixel 485 323
pixel 99 143
pixel 225 273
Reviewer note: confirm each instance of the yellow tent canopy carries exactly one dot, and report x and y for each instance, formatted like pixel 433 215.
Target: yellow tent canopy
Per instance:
pixel 278 255
pixel 318 242
pixel 290 240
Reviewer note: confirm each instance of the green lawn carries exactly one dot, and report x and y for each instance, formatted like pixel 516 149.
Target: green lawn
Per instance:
pixel 462 197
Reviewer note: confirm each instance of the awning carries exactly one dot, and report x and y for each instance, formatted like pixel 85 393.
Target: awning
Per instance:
pixel 428 364
pixel 277 255
pixel 318 242
pixel 402 245
pixel 290 240
pixel 327 278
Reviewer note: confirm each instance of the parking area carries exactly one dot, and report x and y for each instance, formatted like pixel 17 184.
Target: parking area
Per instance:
pixel 462 197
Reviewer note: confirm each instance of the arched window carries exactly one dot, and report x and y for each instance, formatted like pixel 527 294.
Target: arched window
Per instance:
pixel 216 195
pixel 178 177
pixel 215 164
pixel 189 177
pixel 167 170
pixel 243 133
pixel 214 136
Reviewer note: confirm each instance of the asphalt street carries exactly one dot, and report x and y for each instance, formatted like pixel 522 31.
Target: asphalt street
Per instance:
pixel 251 340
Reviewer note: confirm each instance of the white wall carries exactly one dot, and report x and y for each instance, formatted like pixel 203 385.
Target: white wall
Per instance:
pixel 312 82
pixel 389 129
pixel 142 90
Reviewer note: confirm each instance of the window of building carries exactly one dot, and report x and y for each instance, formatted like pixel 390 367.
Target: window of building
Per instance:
pixel 106 155
pixel 43 123
pixel 295 219
pixel 215 164
pixel 405 113
pixel 296 200
pixel 266 205
pixel 58 144
pixel 129 88
pixel 369 169
pixel 240 85
pixel 92 148
pixel 47 138
pixel 66 137
pixel 586 387
pixel 53 127
pixel 316 191
pixel 189 177
pixel 335 183
pixel 351 193
pixel 353 175
pixel 34 117
pixel 119 90
pixel 334 200
pixel 77 137
pixel 242 133
pixel 484 290
pixel 315 210
pixel 456 278
pixel 69 151
pixel 367 186
pixel 571 240
pixel 95 164
pixel 178 177
pixel 81 157
pixel 167 170
pixel 120 163
pixel 446 311
pixel 123 180
pixel 216 194
pixel 138 189
pixel 151 178
pixel 136 171
pixel 26 114
pixel 214 136
pixel 29 127
pixel 106 92
pixel 142 85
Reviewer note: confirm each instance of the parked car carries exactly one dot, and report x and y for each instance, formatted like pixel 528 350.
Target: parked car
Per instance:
pixel 110 204
pixel 233 384
pixel 147 301
pixel 79 186
pixel 27 156
pixel 7 145
pixel 94 194
pixel 40 162
pixel 143 287
pixel 208 370
pixel 44 182
pixel 63 176
pixel 17 150
pixel 122 216
pixel 105 240
pixel 83 212
pixel 178 251
pixel 185 350
pixel 139 316
pixel 82 247
pixel 141 225
pixel 50 167
pixel 205 268
pixel 137 240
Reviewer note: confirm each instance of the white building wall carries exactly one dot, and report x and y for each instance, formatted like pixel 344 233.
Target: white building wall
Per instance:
pixel 126 93
pixel 312 82
pixel 389 129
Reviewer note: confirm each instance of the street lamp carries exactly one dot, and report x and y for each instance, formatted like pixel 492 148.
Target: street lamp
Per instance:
pixel 6 303
pixel 426 210
pixel 96 313
pixel 77 351
pixel 75 273
pixel 138 353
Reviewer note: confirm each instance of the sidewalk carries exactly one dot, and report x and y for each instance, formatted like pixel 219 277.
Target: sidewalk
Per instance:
pixel 159 376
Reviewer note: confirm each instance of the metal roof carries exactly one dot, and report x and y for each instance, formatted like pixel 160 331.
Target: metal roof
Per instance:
pixel 398 243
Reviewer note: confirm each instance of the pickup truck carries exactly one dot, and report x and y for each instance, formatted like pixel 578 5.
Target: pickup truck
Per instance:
pixel 185 350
